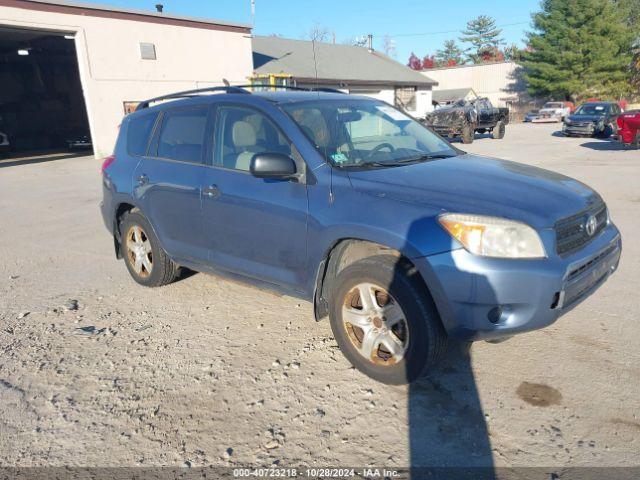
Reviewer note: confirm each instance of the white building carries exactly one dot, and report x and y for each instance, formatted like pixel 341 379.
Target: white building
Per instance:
pixel 352 69
pixel 88 64
pixel 501 82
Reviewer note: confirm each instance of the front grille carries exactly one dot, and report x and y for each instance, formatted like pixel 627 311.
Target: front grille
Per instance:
pixel 571 232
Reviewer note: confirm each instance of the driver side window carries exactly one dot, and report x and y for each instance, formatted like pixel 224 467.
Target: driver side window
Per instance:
pixel 242 132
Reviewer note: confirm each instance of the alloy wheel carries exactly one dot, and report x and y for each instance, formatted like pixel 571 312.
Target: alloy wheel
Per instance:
pixel 375 324
pixel 139 251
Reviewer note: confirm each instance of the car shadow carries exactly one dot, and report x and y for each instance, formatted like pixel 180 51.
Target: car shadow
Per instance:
pixel 447 428
pixel 606 145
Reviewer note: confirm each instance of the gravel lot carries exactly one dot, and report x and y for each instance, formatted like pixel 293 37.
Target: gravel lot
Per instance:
pixel 98 371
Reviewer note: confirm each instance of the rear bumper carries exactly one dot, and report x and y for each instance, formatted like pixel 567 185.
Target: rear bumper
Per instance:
pixel 483 298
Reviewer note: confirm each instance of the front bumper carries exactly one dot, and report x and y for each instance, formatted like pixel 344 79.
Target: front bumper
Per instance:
pixel 587 129
pixel 485 298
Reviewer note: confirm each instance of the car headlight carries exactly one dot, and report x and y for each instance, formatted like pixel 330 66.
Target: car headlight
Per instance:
pixel 493 236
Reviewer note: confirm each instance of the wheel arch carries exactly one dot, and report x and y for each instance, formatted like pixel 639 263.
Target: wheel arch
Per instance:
pixel 344 252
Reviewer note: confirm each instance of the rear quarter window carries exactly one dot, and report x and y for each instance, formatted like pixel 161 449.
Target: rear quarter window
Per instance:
pixel 138 133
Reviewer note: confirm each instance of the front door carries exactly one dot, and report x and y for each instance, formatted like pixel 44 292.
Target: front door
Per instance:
pixel 255 227
pixel 168 182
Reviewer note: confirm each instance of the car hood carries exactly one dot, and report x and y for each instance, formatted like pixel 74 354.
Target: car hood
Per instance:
pixel 479 185
pixel 585 118
pixel 550 110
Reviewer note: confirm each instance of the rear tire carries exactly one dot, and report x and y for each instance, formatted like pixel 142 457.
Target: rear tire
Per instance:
pixel 499 130
pixel 147 262
pixel 396 335
pixel 467 134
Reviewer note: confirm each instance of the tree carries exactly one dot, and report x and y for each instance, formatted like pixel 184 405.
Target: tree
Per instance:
pixel 389 46
pixel 414 62
pixel 578 49
pixel 483 35
pixel 630 11
pixel 428 61
pixel 357 41
pixel 318 33
pixel 512 53
pixel 450 55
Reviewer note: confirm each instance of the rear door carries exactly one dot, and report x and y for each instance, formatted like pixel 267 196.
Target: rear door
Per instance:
pixel 253 226
pixel 168 182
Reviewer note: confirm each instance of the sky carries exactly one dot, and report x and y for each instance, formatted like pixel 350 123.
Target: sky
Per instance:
pixel 419 26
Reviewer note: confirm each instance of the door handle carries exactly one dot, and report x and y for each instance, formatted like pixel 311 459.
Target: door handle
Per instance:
pixel 143 179
pixel 211 191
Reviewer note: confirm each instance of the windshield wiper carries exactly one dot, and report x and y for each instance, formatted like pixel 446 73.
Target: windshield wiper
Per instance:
pixel 406 161
pixel 399 163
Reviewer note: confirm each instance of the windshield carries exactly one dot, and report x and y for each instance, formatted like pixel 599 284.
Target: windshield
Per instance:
pixel 553 105
pixel 351 133
pixel 591 109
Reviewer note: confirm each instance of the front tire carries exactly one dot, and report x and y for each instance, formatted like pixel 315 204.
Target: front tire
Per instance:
pixel 145 259
pixel 499 130
pixel 385 321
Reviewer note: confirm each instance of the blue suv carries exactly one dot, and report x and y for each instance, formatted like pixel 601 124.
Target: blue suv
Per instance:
pixel 401 239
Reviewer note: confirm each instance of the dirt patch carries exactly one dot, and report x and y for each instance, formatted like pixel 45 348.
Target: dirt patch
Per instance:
pixel 538 394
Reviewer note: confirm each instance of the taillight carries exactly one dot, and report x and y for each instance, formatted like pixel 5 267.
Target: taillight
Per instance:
pixel 107 161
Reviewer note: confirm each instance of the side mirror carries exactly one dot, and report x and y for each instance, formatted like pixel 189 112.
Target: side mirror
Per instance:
pixel 272 165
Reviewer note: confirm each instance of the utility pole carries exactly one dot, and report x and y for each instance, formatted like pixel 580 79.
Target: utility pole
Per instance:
pixel 253 13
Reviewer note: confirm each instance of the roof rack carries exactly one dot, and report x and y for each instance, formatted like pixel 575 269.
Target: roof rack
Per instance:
pixel 229 89
pixel 190 93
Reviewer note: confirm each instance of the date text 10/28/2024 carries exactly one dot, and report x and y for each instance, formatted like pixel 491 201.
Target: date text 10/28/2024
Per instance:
pixel 315 473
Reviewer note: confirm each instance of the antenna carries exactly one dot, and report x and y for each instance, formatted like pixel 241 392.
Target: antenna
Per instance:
pixel 315 63
pixel 253 13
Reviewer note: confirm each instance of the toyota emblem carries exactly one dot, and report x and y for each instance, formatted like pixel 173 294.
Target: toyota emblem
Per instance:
pixel 591 225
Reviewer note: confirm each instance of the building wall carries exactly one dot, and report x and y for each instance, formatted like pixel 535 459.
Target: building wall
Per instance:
pixel 423 98
pixel 500 82
pixel 112 71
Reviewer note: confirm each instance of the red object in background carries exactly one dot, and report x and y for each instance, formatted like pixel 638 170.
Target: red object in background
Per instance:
pixel 571 106
pixel 629 127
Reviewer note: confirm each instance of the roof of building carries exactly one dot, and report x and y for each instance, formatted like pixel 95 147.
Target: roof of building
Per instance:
pixel 451 94
pixel 343 64
pixel 106 11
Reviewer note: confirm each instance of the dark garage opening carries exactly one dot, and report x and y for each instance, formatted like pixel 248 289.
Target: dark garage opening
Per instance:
pixel 42 108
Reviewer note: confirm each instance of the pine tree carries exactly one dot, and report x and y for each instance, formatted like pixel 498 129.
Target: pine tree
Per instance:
pixel 579 49
pixel 450 54
pixel 483 35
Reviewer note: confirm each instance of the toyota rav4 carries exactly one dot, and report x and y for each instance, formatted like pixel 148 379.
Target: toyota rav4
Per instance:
pixel 402 240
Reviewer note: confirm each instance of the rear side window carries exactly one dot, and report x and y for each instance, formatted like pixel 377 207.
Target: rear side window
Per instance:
pixel 138 133
pixel 182 134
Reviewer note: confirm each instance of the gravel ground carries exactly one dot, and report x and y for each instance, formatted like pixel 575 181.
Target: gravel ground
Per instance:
pixel 96 370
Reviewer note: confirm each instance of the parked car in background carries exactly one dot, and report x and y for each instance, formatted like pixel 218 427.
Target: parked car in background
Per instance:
pixel 465 117
pixel 629 128
pixel 531 115
pixel 593 119
pixel 403 240
pixel 553 112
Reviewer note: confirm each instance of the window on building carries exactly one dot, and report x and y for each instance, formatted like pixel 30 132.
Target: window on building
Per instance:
pixel 405 98
pixel 182 134
pixel 148 51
